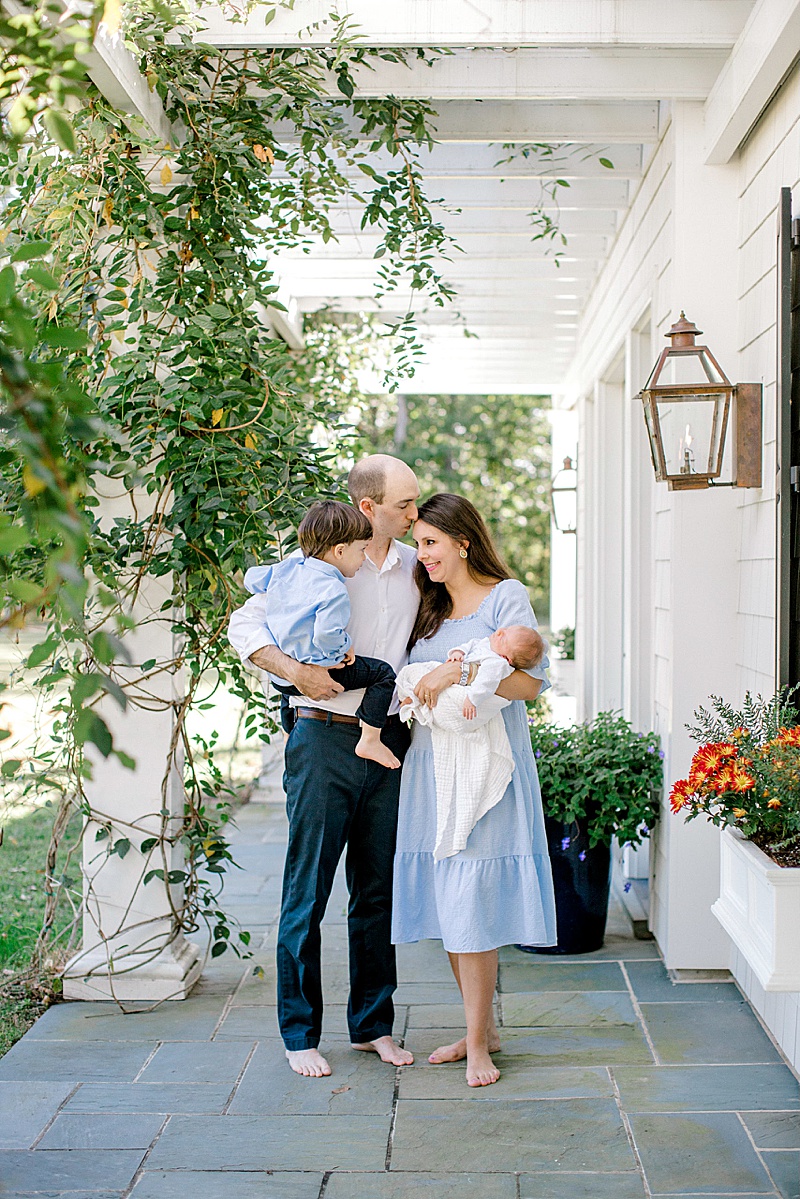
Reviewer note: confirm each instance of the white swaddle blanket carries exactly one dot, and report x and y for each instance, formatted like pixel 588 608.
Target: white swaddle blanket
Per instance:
pixel 472 759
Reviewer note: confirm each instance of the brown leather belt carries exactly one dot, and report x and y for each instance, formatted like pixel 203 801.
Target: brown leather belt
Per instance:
pixel 321 714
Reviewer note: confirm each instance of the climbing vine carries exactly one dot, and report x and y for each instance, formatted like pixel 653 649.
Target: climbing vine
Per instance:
pixel 178 446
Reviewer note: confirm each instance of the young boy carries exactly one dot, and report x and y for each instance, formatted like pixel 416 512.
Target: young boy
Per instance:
pixel 307 610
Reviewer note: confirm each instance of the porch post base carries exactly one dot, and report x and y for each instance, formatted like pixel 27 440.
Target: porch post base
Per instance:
pixel 169 975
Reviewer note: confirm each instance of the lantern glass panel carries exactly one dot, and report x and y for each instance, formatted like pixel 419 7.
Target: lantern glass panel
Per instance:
pixel 565 509
pixel 686 369
pixel 691 429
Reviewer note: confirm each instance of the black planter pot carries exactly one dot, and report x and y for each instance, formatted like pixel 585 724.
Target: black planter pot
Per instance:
pixel 581 878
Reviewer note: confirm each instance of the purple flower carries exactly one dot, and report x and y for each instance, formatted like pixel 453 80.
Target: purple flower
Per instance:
pixel 661 753
pixel 651 749
pixel 582 856
pixel 565 843
pixel 538 753
pixel 555 745
pixel 627 887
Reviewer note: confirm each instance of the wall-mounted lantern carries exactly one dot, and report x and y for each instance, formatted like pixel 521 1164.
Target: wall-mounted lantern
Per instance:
pixel 688 401
pixel 564 498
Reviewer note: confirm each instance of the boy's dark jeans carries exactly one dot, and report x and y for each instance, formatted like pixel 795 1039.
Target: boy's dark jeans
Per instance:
pixel 378 678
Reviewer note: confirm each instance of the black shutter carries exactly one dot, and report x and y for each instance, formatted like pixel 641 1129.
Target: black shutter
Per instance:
pixel 788 444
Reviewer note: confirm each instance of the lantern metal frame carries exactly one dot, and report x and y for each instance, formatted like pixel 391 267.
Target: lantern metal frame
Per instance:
pixel 569 465
pixel 740 403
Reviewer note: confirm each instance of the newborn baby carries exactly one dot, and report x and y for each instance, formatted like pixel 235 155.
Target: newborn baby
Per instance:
pixel 496 657
pixel 472 756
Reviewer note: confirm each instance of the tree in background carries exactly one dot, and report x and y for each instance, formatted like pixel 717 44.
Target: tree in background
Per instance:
pixel 493 449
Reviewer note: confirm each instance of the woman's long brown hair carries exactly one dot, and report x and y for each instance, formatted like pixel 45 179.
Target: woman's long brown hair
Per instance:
pixel 461 520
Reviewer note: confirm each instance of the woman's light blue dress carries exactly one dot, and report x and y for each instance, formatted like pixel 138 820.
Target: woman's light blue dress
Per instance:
pixel 498 890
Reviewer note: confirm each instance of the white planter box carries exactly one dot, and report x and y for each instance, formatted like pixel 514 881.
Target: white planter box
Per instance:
pixel 759 908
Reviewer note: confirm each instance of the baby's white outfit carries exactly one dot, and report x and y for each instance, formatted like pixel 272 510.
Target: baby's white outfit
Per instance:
pixel 472 759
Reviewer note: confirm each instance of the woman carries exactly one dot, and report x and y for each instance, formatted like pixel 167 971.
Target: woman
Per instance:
pixel 498 890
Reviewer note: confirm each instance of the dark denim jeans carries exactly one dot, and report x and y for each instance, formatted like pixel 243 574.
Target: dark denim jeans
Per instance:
pixel 335 799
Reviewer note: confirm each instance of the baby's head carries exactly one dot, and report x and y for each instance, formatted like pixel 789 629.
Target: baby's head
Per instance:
pixel 520 646
pixel 336 533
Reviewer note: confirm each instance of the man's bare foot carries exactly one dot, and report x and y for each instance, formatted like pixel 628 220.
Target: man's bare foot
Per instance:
pixel 308 1062
pixel 481 1070
pixel 387 1050
pixel 458 1050
pixel 375 751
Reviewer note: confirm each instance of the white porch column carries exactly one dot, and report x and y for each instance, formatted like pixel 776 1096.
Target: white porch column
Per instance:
pixel 131 947
pixel 696 601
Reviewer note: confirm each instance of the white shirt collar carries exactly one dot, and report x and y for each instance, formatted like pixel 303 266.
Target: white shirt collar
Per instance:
pixel 392 558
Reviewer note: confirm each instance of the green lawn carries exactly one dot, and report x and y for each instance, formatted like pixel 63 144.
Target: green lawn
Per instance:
pixel 22 861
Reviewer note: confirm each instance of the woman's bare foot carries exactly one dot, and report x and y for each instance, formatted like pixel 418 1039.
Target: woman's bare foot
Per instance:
pixel 481 1070
pixel 458 1050
pixel 387 1050
pixel 308 1062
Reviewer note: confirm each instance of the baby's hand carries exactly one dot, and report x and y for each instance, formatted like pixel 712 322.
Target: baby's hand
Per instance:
pixel 455 655
pixel 348 659
pixel 405 701
pixel 469 710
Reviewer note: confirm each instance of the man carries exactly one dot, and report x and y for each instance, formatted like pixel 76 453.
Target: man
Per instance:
pixel 335 799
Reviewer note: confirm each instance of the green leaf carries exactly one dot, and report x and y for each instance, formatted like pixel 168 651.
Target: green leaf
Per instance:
pixel 121 847
pixel 61 337
pixel 607 163
pixel 152 874
pixel 125 759
pixel 12 538
pixel 41 652
pixel 9 767
pixel 23 590
pixel 41 276
pixel 101 834
pixel 148 844
pixel 218 948
pixel 91 727
pixel 60 129
pixel 30 249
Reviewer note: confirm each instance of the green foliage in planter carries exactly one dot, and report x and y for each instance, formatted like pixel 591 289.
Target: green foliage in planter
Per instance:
pixel 602 775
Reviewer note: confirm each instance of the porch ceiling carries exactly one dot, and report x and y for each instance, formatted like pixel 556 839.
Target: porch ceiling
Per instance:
pixel 595 77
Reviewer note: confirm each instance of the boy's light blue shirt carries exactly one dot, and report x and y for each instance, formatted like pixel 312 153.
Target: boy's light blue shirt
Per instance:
pixel 307 609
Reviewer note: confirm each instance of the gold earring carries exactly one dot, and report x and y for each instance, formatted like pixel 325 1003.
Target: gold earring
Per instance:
pixel 462 553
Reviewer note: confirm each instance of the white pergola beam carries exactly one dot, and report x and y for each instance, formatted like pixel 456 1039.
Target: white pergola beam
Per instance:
pixel 765 52
pixel 453 161
pixel 476 246
pixel 476 121
pixel 471 227
pixel 500 23
pixel 114 70
pixel 608 73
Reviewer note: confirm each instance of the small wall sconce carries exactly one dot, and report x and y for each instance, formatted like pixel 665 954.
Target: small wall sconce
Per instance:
pixel 564 498
pixel 687 416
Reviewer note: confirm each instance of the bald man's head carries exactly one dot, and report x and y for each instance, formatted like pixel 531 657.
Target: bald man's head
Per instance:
pixel 385 489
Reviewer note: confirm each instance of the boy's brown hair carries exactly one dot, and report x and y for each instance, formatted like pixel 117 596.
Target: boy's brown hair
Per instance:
pixel 328 523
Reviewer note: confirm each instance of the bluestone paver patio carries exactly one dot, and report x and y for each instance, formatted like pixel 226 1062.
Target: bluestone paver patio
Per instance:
pixel 616 1083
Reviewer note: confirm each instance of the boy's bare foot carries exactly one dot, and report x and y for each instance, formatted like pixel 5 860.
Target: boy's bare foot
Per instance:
pixel 375 751
pixel 387 1050
pixel 458 1050
pixel 481 1070
pixel 308 1062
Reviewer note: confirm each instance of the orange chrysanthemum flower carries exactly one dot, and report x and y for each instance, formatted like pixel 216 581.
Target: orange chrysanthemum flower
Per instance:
pixel 680 794
pixel 742 780
pixel 789 736
pixel 739 813
pixel 773 803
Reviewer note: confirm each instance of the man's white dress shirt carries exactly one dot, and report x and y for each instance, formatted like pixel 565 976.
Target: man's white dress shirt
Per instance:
pixel 383 606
